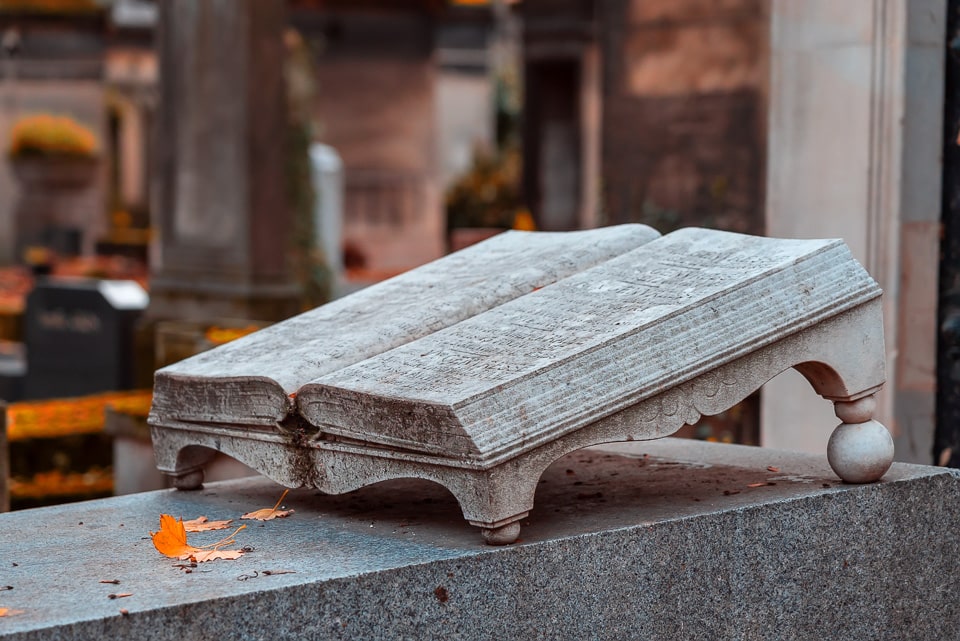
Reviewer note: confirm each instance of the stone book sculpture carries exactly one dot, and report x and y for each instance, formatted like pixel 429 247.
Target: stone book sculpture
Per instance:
pixel 480 369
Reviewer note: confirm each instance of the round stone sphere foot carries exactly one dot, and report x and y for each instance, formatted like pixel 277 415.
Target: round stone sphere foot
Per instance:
pixel 504 535
pixel 189 481
pixel 860 452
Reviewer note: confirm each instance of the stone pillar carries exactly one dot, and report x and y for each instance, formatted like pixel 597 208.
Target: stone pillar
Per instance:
pixel 856 100
pixel 218 183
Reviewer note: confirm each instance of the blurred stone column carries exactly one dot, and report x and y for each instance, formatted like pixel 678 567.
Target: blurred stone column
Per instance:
pixel 4 461
pixel 856 106
pixel 218 183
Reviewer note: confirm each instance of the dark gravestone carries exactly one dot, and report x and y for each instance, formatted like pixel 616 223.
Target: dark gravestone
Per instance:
pixel 13 368
pixel 79 336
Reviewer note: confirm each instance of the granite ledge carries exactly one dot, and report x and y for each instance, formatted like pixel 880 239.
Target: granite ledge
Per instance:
pixel 662 539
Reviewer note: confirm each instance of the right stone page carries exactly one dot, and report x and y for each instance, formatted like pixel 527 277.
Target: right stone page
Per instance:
pixel 505 381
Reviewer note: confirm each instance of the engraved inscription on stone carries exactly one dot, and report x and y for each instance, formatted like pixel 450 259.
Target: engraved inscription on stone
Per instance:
pixel 217 386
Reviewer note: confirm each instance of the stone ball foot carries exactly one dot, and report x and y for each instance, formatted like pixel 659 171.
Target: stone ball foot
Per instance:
pixel 860 452
pixel 503 535
pixel 189 481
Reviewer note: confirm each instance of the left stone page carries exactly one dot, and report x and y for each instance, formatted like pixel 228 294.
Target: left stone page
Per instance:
pixel 252 381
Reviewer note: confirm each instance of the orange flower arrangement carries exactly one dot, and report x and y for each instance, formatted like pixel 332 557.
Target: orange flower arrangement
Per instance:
pixel 221 335
pixel 69 416
pixel 49 135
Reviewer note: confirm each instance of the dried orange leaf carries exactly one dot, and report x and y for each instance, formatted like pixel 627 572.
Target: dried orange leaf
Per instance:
pixel 771 468
pixel 171 538
pixel 268 514
pixel 202 524
pixel 756 484
pixel 8 612
pixel 171 541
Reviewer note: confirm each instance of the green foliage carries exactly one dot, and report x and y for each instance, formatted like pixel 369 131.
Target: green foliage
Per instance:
pixel 489 194
pixel 309 264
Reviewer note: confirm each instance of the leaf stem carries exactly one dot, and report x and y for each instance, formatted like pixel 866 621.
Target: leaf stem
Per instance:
pixel 282 496
pixel 227 540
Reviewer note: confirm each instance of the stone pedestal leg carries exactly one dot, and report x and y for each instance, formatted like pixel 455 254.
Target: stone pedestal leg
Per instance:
pixel 860 449
pixel 192 480
pixel 190 463
pixel 495 501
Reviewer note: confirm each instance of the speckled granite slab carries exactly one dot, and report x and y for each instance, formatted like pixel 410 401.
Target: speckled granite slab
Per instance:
pixel 666 539
pixel 447 375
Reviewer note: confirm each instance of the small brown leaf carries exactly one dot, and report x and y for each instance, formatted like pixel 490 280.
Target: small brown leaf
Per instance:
pixel 756 484
pixel 119 595
pixel 212 555
pixel 124 611
pixel 268 514
pixel 771 468
pixel 202 524
pixel 111 581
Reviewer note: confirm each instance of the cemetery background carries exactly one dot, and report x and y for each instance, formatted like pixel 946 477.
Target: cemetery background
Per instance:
pixel 803 118
pixel 667 102
pixel 465 70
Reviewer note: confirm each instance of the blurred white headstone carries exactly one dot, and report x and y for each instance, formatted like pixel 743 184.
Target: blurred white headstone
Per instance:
pixel 327 176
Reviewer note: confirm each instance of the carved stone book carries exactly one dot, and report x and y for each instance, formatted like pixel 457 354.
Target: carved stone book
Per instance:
pixel 481 369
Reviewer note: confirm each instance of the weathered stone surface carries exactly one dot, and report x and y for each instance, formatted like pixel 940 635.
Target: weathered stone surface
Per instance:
pixel 555 360
pixel 661 540
pixel 248 381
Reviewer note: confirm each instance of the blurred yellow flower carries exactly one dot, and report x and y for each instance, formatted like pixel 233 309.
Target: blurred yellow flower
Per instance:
pixel 49 135
pixel 523 220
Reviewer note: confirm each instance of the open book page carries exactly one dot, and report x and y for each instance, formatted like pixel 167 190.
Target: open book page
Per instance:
pixel 250 381
pixel 547 363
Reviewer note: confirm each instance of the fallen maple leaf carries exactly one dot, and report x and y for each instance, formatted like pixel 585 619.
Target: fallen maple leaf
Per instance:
pixel 171 540
pixel 268 514
pixel 202 524
pixel 7 612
